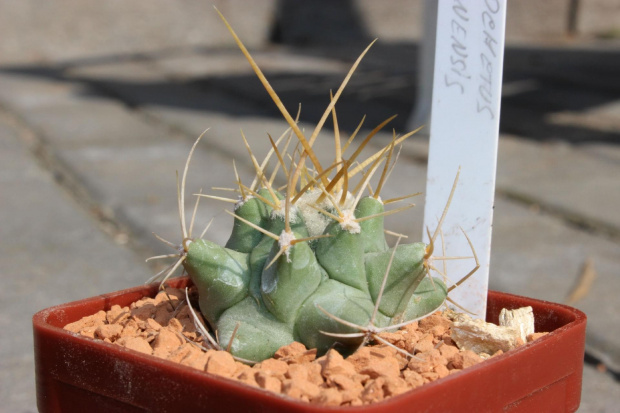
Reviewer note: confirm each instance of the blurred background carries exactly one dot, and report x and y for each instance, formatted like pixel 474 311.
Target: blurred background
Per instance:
pixel 101 101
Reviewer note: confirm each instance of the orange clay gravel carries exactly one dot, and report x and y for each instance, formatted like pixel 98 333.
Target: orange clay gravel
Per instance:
pixel 163 327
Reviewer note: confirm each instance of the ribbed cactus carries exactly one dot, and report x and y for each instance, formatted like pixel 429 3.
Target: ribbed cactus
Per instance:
pixel 296 263
pixel 276 289
pixel 310 262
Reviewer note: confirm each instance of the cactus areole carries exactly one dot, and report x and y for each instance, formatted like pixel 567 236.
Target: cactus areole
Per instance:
pixel 309 262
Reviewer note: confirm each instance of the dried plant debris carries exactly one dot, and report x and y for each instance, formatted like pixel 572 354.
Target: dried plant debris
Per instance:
pixel 520 319
pixel 583 284
pixel 515 329
pixel 164 327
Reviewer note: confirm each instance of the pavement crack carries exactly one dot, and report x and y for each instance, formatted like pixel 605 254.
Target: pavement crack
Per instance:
pixel 594 361
pixel 569 218
pixel 66 179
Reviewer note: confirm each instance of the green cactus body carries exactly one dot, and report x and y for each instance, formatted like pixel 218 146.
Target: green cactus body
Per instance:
pixel 405 274
pixel 290 281
pixel 371 229
pixel 222 276
pixel 273 305
pixel 244 238
pixel 342 256
pixel 341 301
pixel 313 261
pixel 258 332
pixel 429 296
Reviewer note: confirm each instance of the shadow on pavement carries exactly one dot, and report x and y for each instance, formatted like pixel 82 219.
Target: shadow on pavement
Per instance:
pixel 538 82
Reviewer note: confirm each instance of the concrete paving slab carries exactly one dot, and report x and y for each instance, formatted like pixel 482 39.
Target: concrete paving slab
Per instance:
pixel 599 393
pixel 84 122
pixel 561 177
pixel 70 29
pixel 195 119
pixel 26 91
pixel 225 132
pixel 539 256
pixel 229 62
pixel 51 252
pixel 166 86
pixel 126 164
pixel 211 63
pixel 604 152
pixel 605 117
pixel 138 70
pixel 138 185
pixel 370 92
pixel 142 84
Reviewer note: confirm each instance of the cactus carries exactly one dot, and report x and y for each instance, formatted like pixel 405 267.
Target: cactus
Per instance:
pixel 309 262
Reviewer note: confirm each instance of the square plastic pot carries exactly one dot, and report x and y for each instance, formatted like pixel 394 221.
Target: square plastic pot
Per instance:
pixel 78 374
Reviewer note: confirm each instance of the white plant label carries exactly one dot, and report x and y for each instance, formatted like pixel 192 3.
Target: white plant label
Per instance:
pixel 464 131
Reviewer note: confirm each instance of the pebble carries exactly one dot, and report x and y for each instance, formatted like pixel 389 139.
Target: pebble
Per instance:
pixel 221 363
pixel 90 322
pixel 135 343
pixel 109 331
pixel 268 382
pixel 333 363
pixel 276 367
pixel 464 359
pixel 165 342
pixel 300 388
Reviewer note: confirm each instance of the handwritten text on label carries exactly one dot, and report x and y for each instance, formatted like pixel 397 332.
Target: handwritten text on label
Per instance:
pixel 458 77
pixel 458 57
pixel 488 58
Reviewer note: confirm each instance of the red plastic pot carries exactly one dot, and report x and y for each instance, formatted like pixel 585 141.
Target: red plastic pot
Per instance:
pixel 78 374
